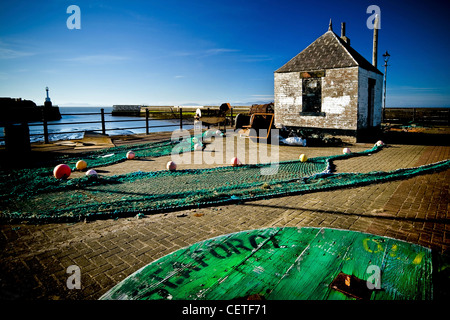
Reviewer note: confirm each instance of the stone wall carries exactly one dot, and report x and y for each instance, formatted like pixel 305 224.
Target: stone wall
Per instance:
pixel 288 98
pixel 339 100
pixel 126 110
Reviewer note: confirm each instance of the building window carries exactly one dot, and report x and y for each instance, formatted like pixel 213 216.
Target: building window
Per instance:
pixel 312 93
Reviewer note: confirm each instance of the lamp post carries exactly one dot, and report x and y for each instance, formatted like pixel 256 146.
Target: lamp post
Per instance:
pixel 386 56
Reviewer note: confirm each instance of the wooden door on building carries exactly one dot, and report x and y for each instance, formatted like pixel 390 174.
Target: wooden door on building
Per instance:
pixel 370 102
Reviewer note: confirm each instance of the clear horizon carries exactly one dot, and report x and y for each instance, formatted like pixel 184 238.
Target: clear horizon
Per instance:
pixel 206 52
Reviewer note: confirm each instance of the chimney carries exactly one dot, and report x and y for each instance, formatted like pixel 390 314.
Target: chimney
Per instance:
pixel 375 42
pixel 343 37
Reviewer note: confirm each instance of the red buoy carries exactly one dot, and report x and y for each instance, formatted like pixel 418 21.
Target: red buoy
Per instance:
pixel 62 171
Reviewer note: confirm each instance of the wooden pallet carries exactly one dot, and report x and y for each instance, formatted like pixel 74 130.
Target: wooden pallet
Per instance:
pixel 288 264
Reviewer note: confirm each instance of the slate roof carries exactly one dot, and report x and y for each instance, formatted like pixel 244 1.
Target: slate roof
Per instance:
pixel 329 51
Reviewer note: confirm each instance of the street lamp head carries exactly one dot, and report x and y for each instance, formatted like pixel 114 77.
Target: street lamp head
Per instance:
pixel 386 56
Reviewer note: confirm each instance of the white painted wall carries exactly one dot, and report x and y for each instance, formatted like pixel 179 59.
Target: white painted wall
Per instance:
pixel 335 105
pixel 363 86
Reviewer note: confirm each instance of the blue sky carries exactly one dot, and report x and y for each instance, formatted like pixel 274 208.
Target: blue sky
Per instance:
pixel 208 52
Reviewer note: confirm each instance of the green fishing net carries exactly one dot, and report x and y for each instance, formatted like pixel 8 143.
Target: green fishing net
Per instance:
pixel 35 195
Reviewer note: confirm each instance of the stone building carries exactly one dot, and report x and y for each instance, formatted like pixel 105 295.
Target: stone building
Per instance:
pixel 329 88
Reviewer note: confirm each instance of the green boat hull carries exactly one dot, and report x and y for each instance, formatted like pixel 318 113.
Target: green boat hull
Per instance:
pixel 286 264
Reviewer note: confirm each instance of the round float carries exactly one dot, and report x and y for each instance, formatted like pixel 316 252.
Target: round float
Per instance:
pixel 62 171
pixel 235 162
pixel 81 165
pixel 91 172
pixel 171 166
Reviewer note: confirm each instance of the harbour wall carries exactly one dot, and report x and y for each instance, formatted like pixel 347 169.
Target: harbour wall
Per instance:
pixel 167 111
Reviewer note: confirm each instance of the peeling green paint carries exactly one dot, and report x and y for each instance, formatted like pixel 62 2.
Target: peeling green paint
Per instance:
pixel 283 263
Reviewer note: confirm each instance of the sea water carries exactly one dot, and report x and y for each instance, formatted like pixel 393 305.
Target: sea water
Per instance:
pixel 68 129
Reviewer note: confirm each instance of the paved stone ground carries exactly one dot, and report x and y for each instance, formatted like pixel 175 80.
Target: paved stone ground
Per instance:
pixel 34 258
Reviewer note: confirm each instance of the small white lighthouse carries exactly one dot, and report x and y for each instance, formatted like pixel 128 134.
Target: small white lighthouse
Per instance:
pixel 48 102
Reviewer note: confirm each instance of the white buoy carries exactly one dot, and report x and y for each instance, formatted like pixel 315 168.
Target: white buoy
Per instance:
pixel 91 172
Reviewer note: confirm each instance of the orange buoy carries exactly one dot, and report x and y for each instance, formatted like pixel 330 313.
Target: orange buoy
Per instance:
pixel 130 155
pixel 62 171
pixel 81 165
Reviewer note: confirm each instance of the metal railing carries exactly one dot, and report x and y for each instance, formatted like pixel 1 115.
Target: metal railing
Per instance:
pixel 430 116
pixel 102 121
pixel 147 119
